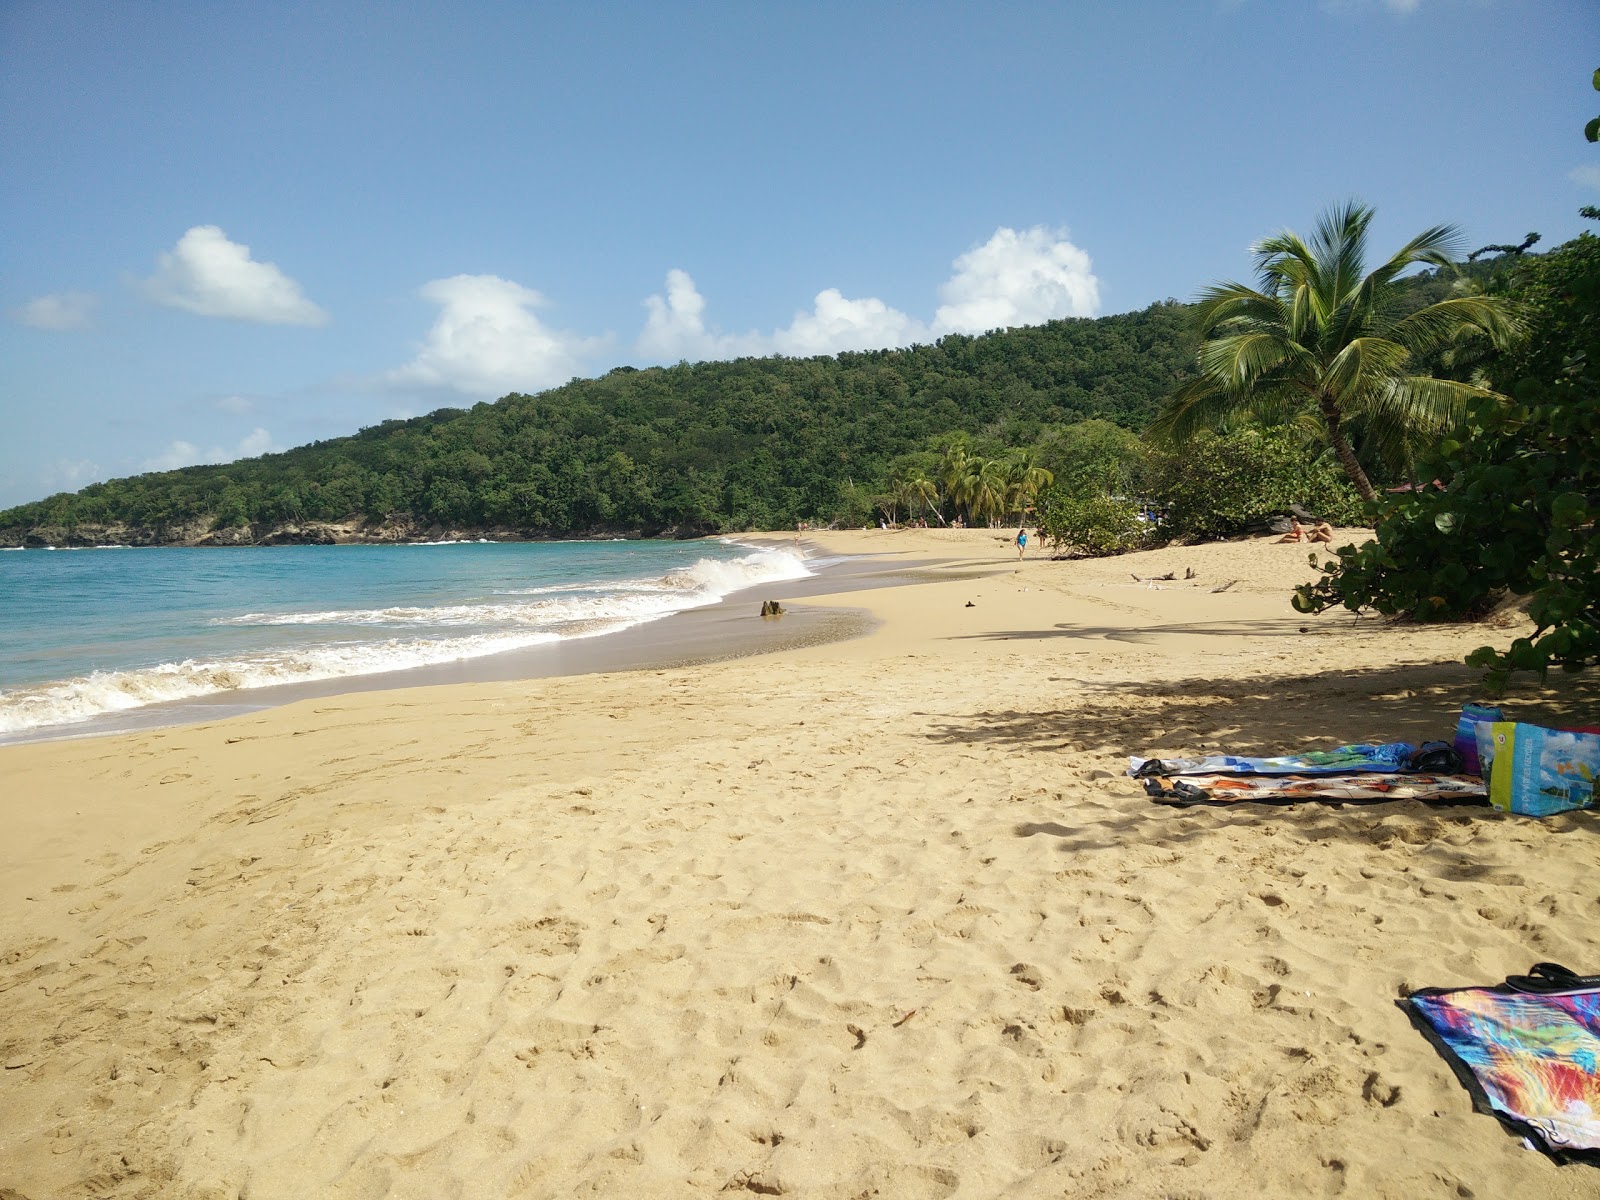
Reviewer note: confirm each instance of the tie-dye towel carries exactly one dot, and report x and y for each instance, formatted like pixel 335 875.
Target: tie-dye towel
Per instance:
pixel 1531 1060
pixel 1229 789
pixel 1342 760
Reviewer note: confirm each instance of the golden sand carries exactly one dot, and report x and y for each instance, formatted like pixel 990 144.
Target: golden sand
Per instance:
pixel 877 918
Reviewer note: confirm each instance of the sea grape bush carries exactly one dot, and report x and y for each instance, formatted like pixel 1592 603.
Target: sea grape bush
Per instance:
pixel 1091 524
pixel 1218 485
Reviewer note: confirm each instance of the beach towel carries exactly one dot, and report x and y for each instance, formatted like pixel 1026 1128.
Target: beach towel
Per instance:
pixel 1533 1060
pixel 1391 758
pixel 1283 789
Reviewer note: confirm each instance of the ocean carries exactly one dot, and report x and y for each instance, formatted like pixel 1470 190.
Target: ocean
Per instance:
pixel 85 633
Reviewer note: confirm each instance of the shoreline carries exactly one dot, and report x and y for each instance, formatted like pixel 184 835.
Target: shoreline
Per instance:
pixel 709 633
pixel 875 914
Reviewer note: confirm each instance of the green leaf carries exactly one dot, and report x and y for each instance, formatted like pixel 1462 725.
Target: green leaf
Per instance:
pixel 1569 508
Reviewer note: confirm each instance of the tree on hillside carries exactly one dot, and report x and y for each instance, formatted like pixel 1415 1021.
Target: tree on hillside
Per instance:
pixel 1323 338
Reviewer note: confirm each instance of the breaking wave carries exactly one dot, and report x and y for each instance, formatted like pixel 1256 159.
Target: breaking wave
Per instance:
pixel 395 638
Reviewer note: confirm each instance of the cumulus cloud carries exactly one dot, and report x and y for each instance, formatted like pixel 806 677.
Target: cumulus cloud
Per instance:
pixel 675 327
pixel 188 454
pixel 487 341
pixel 237 405
pixel 1588 176
pixel 209 275
pixel 836 323
pixel 1015 278
pixel 60 312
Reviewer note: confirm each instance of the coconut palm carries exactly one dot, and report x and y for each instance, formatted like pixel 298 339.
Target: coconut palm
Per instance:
pixel 1025 479
pixel 921 493
pixel 953 472
pixel 1321 339
pixel 986 489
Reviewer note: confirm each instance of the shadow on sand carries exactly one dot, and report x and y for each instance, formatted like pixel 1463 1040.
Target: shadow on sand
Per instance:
pixel 1267 715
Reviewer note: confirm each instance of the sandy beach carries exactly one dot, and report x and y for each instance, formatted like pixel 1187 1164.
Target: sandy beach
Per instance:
pixel 878 917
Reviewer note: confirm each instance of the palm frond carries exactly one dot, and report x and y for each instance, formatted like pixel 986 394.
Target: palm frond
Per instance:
pixel 1417 402
pixel 1236 362
pixel 1224 302
pixel 1449 320
pixel 1341 247
pixel 1359 365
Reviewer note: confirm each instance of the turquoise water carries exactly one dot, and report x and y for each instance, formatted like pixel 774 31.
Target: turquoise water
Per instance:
pixel 89 632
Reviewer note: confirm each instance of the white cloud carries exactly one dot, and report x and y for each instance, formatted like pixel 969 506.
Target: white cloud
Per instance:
pixel 187 454
pixel 207 274
pixel 237 405
pixel 1015 278
pixel 59 312
pixel 836 324
pixel 1588 176
pixel 69 474
pixel 486 341
pixel 675 327
pixel 257 442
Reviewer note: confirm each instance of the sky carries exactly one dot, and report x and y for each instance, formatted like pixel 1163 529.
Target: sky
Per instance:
pixel 232 229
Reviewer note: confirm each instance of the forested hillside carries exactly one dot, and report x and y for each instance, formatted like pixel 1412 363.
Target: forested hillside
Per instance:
pixel 757 443
pixel 754 443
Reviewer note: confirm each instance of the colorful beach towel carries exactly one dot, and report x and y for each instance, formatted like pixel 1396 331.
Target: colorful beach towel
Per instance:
pixel 1390 758
pixel 1231 789
pixel 1531 1060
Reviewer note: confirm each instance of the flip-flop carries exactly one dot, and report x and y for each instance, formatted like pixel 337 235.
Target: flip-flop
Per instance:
pixel 1552 979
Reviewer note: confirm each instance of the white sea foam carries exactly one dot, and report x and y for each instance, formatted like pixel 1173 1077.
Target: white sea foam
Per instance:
pixel 74 700
pixel 463 631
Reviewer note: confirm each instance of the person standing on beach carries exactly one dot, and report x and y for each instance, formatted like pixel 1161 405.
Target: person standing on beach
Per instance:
pixel 1022 542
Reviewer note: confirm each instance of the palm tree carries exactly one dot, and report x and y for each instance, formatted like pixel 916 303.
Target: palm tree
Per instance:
pixel 1322 340
pixel 1025 479
pixel 921 492
pixel 986 489
pixel 953 471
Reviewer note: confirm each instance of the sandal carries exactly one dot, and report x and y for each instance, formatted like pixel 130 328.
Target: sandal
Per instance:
pixel 1552 979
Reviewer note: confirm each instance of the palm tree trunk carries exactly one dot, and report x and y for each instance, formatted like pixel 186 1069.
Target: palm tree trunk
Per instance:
pixel 1332 418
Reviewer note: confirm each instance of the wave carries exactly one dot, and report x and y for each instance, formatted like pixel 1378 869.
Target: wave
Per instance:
pixel 476 630
pixel 74 700
pixel 703 582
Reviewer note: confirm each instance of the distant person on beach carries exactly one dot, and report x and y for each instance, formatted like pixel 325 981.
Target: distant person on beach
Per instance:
pixel 1022 542
pixel 1320 532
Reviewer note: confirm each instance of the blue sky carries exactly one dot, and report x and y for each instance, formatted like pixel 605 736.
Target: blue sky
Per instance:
pixel 239 228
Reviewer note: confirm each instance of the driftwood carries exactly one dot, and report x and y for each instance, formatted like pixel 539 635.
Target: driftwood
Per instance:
pixel 771 608
pixel 1222 587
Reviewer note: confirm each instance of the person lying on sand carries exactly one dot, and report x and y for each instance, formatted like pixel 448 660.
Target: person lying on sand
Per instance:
pixel 1320 532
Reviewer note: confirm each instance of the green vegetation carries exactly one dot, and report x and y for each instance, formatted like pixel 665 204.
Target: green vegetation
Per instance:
pixel 708 447
pixel 1327 343
pixel 1514 494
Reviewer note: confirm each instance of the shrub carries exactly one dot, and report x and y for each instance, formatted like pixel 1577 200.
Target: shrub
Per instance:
pixel 1092 525
pixel 1217 485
